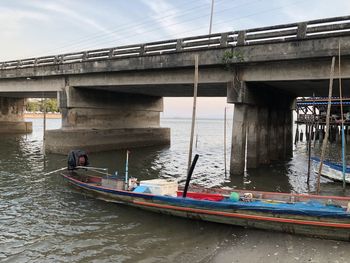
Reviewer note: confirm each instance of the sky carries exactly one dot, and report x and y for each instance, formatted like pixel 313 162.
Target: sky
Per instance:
pixel 32 28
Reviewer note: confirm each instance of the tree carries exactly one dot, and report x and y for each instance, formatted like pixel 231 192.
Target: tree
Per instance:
pixel 38 105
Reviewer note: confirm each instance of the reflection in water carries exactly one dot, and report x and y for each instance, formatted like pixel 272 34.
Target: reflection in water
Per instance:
pixel 43 220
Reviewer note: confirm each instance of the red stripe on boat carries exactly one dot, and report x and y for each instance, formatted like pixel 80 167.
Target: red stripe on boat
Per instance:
pixel 262 218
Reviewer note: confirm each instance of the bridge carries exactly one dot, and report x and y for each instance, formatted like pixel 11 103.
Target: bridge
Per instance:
pixel 112 98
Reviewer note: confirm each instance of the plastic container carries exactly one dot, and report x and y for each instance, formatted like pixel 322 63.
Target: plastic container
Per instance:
pixel 161 186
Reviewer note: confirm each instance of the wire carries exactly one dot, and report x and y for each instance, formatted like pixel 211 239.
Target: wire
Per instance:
pixel 96 43
pixel 126 27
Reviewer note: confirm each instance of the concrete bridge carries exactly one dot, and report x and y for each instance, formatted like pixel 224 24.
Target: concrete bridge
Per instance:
pixel 112 98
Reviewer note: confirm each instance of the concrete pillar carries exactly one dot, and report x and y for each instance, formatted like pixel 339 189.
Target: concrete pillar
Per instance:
pixel 280 126
pixel 253 138
pixel 238 139
pixel 273 135
pixel 11 116
pixel 263 117
pixel 288 133
pixel 101 120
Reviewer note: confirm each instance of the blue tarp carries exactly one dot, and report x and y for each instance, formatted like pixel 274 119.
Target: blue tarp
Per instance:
pixel 311 208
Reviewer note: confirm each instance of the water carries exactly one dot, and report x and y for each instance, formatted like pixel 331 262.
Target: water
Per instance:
pixel 43 220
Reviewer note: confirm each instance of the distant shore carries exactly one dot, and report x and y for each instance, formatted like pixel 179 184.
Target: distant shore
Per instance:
pixel 41 115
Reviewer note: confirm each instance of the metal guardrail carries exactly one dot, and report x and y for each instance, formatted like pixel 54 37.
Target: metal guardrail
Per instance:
pixel 320 28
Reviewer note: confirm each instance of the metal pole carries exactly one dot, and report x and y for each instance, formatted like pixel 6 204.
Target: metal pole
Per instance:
pixel 211 16
pixel 126 171
pixel 194 110
pixel 225 141
pixel 325 139
pixel 342 123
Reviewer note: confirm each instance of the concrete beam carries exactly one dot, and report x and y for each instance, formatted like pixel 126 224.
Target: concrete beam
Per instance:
pixel 241 92
pixel 23 85
pixel 297 70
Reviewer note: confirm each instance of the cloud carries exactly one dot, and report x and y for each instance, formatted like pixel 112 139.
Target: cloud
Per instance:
pixel 81 20
pixel 12 21
pixel 170 19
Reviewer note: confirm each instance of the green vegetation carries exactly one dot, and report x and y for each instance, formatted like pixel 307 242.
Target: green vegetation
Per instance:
pixel 232 57
pixel 38 105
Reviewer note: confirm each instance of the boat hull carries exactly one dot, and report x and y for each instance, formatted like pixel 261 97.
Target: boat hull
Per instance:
pixel 327 227
pixel 331 171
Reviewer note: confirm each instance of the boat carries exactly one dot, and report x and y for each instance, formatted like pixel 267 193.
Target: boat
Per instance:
pixel 331 170
pixel 303 214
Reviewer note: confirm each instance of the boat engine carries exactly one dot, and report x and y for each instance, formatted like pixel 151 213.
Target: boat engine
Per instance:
pixel 77 158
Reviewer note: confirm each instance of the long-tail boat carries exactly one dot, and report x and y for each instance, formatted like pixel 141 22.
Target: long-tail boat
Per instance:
pixel 331 170
pixel 304 214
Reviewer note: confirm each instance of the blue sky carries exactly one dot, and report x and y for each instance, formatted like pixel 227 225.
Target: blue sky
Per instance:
pixel 31 28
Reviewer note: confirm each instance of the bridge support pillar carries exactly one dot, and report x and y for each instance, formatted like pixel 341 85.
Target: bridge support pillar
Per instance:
pixel 238 139
pixel 11 116
pixel 97 120
pixel 253 142
pixel 262 126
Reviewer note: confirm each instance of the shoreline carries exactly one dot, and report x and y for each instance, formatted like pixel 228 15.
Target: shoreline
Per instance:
pixel 41 115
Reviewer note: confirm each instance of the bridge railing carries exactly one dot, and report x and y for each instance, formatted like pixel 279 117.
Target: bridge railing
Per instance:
pixel 337 26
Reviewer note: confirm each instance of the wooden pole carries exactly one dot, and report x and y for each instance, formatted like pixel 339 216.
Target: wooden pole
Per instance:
pixel 342 122
pixel 225 141
pixel 309 155
pixel 325 139
pixel 194 109
pixel 44 124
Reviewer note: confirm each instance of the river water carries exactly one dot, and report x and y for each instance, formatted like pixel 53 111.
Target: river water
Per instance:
pixel 43 220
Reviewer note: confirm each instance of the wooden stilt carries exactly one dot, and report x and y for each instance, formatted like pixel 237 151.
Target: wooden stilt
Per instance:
pixel 194 110
pixel 324 145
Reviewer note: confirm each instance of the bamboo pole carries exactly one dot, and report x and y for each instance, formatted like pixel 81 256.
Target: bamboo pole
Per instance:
pixel 325 139
pixel 342 122
pixel 194 109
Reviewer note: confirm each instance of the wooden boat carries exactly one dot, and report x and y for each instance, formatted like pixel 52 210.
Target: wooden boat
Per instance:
pixel 318 216
pixel 331 170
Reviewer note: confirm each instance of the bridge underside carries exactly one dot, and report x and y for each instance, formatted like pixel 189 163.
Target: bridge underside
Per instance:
pixel 296 88
pixel 109 110
pixel 95 126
